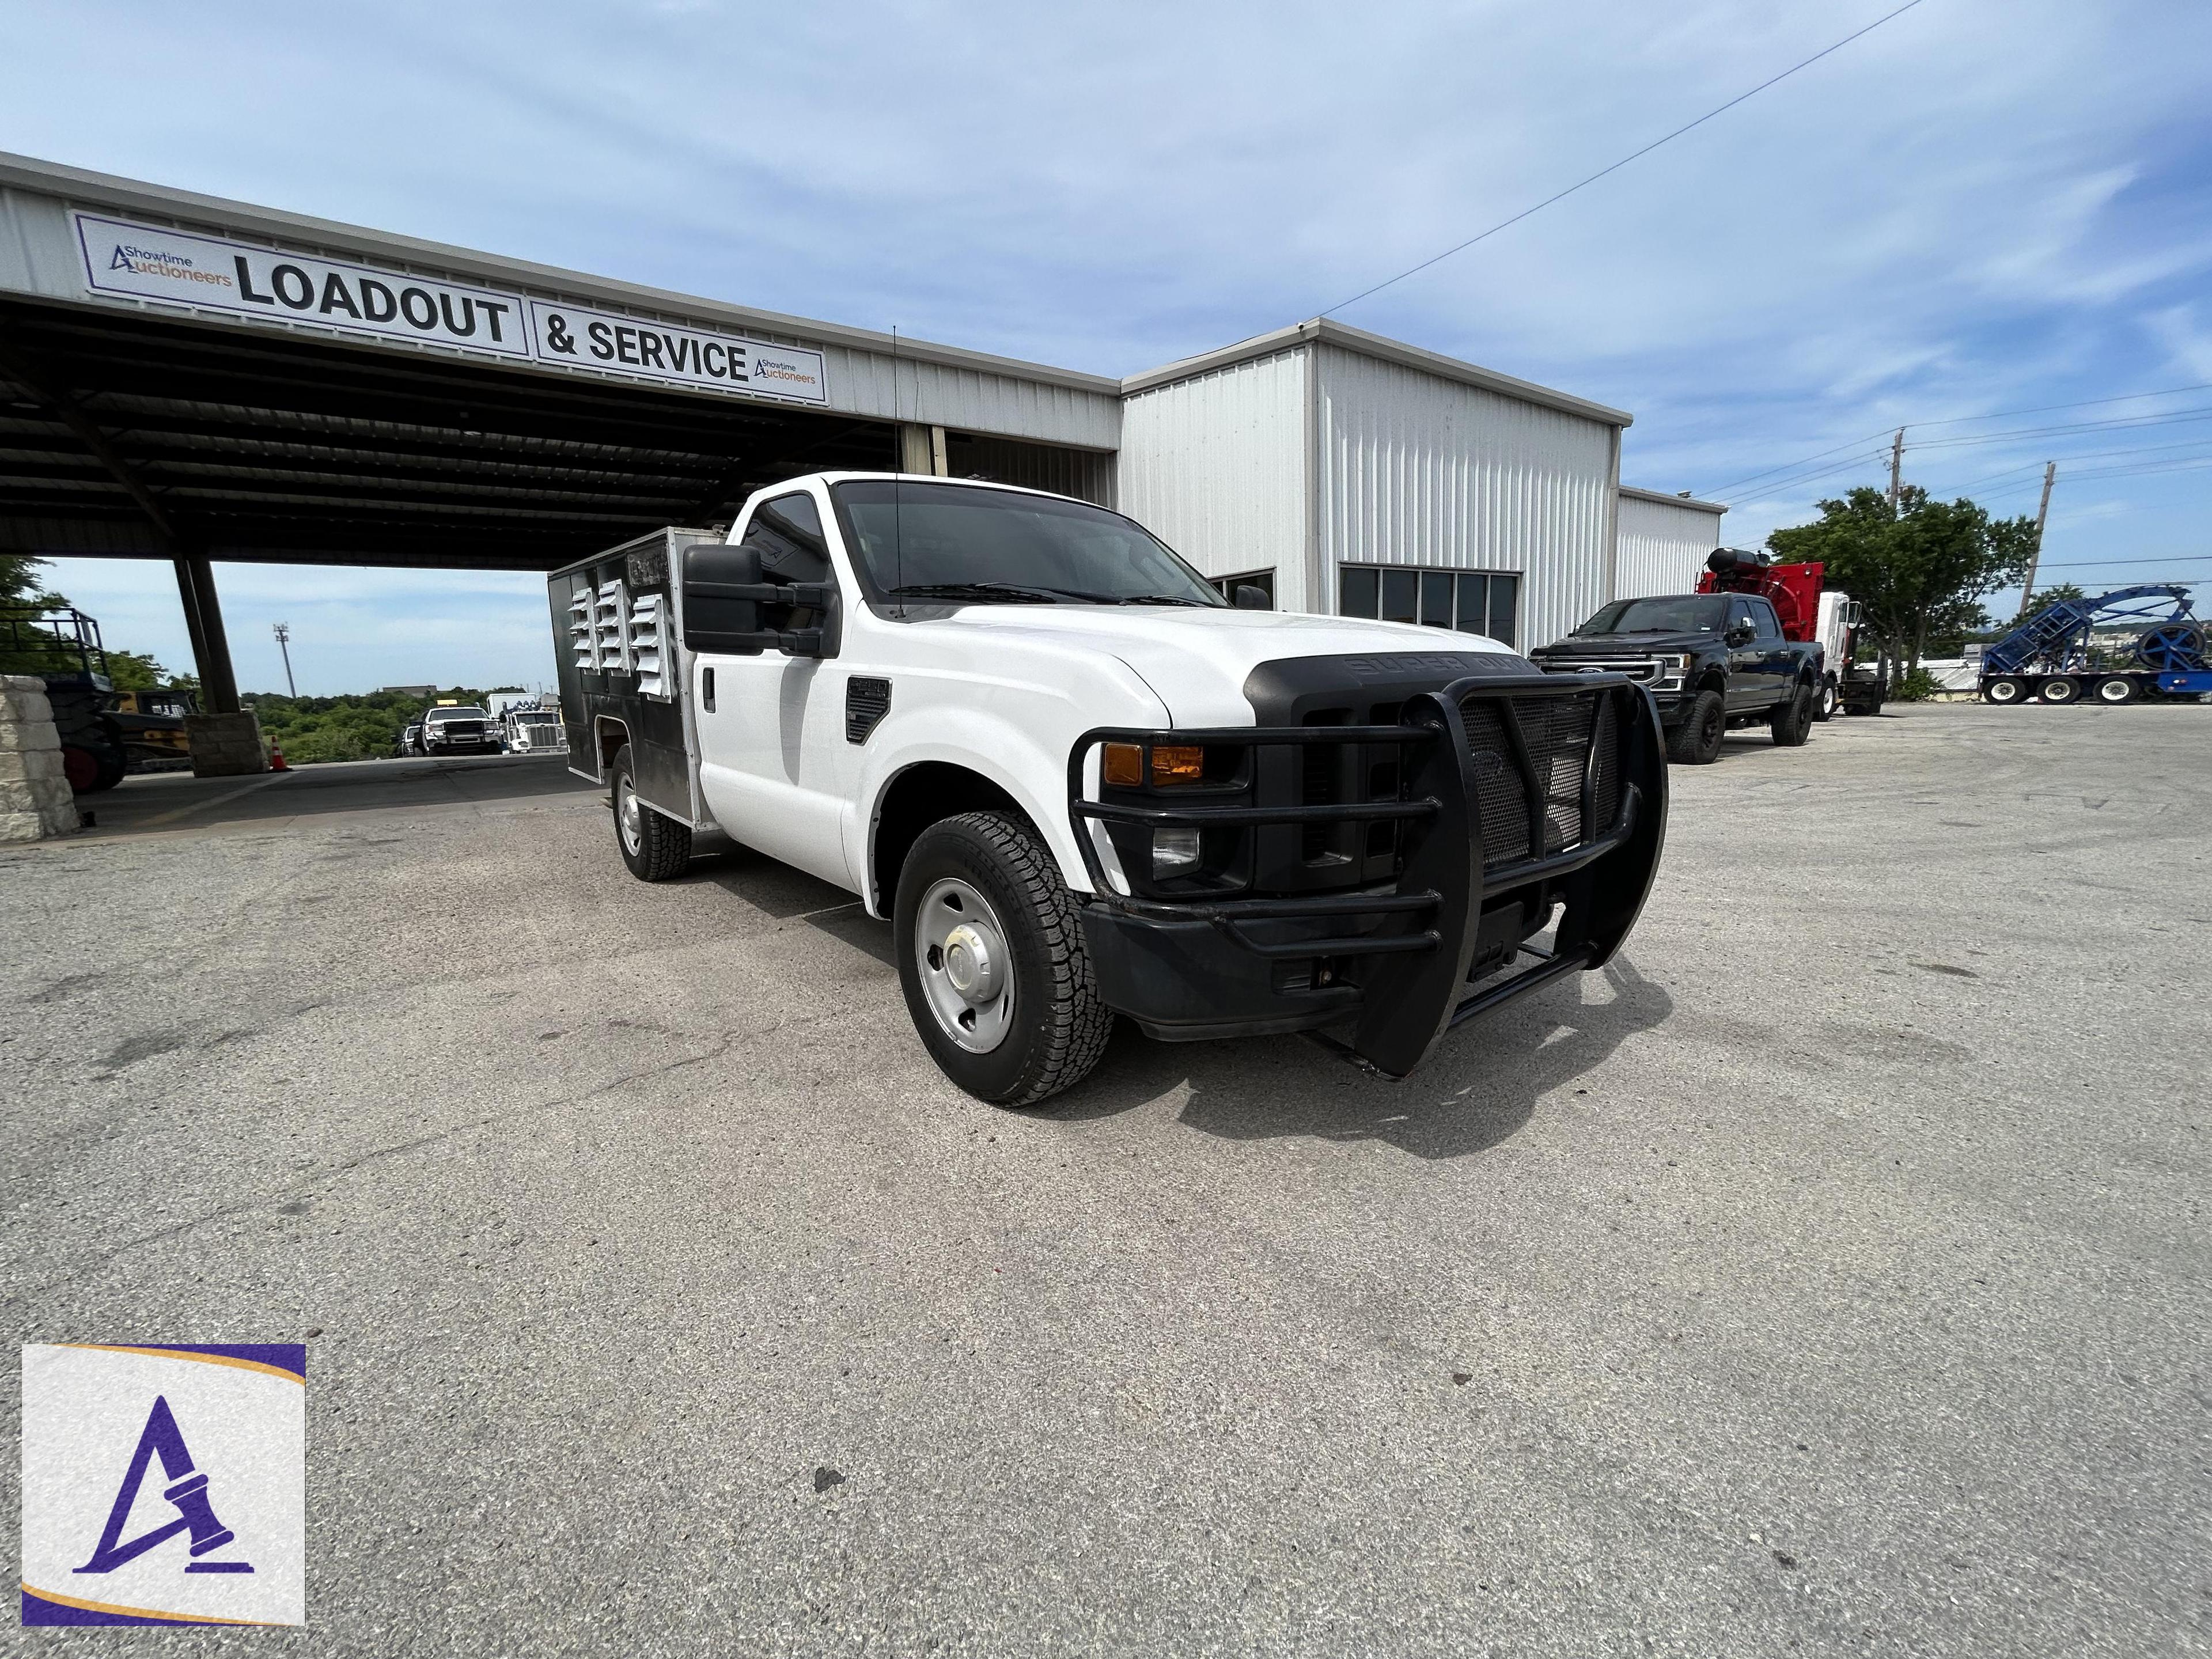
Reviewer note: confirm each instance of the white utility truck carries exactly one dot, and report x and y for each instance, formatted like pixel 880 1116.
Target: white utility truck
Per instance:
pixel 1078 782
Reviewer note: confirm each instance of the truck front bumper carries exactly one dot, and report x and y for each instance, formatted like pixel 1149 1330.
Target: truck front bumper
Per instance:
pixel 1521 795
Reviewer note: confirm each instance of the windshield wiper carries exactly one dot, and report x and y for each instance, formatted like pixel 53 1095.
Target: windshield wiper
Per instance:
pixel 977 591
pixel 1164 598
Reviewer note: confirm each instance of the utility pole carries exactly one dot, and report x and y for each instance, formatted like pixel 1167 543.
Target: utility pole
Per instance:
pixel 1896 470
pixel 283 633
pixel 2035 557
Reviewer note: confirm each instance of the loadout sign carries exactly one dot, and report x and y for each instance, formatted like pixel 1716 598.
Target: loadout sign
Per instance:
pixel 153 264
pixel 147 262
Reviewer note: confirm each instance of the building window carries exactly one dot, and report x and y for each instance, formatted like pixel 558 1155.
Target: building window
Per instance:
pixel 1227 586
pixel 1470 601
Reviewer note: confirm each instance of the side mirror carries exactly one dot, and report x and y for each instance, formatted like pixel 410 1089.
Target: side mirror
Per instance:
pixel 1249 596
pixel 721 609
pixel 1741 633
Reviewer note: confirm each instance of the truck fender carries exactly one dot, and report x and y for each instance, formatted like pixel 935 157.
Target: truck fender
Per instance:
pixel 954 743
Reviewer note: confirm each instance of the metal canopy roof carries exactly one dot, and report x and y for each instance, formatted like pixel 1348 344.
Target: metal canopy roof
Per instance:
pixel 133 434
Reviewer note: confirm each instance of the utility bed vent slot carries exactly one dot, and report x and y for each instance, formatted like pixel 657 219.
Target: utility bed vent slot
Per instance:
pixel 647 653
pixel 607 627
pixel 582 640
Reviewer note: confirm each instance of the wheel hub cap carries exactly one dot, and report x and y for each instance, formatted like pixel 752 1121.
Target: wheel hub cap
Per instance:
pixel 632 830
pixel 960 953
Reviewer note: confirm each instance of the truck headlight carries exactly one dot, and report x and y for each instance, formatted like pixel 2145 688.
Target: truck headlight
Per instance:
pixel 1673 669
pixel 1123 764
pixel 1174 851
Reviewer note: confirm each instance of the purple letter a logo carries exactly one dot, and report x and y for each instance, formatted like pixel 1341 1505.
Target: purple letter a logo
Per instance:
pixel 186 1489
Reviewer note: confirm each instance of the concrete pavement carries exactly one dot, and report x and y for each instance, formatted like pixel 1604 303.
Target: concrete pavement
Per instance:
pixel 1826 1277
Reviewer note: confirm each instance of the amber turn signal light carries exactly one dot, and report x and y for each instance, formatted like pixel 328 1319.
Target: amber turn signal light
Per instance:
pixel 1178 765
pixel 1124 765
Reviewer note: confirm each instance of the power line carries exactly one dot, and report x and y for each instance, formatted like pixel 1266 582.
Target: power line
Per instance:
pixel 1958 420
pixel 1505 223
pixel 2046 409
pixel 2148 558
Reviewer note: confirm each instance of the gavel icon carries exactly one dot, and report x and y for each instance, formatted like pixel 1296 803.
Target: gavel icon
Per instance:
pixel 187 1493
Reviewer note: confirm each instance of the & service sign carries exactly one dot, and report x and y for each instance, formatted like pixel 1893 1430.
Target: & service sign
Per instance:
pixel 148 262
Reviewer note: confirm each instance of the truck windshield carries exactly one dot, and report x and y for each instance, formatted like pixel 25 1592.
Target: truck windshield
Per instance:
pixel 440 715
pixel 1700 613
pixel 946 541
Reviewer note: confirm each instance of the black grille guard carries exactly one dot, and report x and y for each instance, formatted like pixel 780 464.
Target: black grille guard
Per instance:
pixel 1414 991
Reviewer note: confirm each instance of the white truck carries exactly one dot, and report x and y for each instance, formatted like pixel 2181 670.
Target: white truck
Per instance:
pixel 1078 782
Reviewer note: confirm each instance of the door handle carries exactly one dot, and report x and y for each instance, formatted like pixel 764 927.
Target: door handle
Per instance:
pixel 706 690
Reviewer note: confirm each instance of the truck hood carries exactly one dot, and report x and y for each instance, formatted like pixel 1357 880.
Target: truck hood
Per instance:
pixel 1196 661
pixel 1629 645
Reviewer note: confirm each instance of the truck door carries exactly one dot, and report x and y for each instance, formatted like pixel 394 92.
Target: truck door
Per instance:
pixel 1751 684
pixel 771 727
pixel 1777 667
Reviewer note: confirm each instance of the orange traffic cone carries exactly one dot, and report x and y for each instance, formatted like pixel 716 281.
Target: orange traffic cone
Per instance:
pixel 276 759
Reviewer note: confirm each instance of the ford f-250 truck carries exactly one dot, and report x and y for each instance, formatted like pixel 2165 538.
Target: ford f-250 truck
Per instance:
pixel 1711 661
pixel 1079 782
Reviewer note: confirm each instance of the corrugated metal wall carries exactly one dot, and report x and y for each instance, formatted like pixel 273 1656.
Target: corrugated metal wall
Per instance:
pixel 38 255
pixel 936 394
pixel 1662 547
pixel 1085 474
pixel 1215 467
pixel 1418 470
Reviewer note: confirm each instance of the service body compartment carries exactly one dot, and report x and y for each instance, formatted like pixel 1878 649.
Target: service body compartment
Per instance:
pixel 622 667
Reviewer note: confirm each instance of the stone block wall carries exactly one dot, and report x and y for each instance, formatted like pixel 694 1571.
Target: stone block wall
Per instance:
pixel 34 794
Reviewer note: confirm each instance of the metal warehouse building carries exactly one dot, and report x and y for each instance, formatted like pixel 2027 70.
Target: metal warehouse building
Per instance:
pixel 196 380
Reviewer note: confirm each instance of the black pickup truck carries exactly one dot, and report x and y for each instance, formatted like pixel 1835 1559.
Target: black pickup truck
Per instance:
pixel 1711 661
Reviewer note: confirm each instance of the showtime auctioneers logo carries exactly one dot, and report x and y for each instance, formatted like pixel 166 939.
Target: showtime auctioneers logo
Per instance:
pixel 165 1484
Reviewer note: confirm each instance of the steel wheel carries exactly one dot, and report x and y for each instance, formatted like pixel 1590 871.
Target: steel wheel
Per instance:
pixel 629 819
pixel 2062 688
pixel 2005 691
pixel 966 970
pixel 2116 691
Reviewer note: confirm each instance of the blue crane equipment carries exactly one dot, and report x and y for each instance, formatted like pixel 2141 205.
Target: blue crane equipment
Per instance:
pixel 2048 656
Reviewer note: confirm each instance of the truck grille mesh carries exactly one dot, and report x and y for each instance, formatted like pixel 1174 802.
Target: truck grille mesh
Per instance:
pixel 1557 731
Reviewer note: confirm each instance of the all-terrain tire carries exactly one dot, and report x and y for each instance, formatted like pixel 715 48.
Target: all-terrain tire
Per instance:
pixel 1059 1027
pixel 1697 740
pixel 654 847
pixel 1792 723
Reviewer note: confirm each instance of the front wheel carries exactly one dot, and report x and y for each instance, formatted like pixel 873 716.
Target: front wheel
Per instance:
pixel 1830 699
pixel 991 957
pixel 654 847
pixel 1792 723
pixel 1697 740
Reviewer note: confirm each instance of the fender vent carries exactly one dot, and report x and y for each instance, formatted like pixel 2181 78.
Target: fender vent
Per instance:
pixel 866 701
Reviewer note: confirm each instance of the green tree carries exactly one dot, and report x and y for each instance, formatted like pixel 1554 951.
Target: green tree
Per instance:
pixel 128 671
pixel 1920 568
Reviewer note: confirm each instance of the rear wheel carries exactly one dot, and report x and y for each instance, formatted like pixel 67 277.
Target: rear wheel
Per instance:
pixel 654 847
pixel 2060 688
pixel 992 960
pixel 1697 740
pixel 1792 723
pixel 2005 690
pixel 2116 691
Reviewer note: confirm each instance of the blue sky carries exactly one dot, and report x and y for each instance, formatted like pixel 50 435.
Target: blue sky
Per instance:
pixel 1985 206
